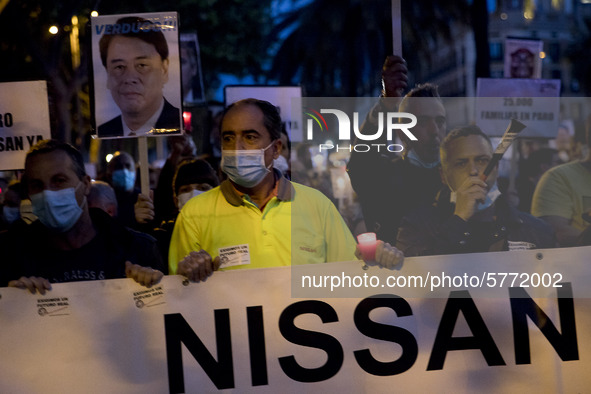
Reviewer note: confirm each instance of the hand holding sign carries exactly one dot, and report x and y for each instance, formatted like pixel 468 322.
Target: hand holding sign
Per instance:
pixel 144 208
pixel 32 283
pixel 145 276
pixel 394 76
pixel 197 266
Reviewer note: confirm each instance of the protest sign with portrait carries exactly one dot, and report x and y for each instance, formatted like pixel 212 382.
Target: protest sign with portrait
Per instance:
pixel 136 75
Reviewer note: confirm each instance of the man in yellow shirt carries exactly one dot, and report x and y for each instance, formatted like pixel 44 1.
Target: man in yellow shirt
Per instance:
pixel 257 218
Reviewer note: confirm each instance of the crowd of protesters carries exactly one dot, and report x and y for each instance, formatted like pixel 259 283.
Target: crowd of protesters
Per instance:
pixel 88 230
pixel 58 225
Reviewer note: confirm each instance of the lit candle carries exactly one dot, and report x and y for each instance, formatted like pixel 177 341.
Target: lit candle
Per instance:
pixel 367 245
pixel 187 121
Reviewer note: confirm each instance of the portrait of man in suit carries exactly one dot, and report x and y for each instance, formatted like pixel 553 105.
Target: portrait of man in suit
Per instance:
pixel 135 55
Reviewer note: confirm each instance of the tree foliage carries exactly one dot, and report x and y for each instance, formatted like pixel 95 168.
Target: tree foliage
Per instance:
pixel 578 54
pixel 230 34
pixel 337 47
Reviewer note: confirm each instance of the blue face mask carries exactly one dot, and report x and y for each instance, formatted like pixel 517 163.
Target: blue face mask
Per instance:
pixel 415 160
pixel 281 164
pixel 491 197
pixel 123 179
pixel 57 210
pixel 245 167
pixel 11 214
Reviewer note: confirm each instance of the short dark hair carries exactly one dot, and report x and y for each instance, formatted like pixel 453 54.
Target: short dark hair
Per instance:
pixel 424 90
pixel 193 171
pixel 135 27
pixel 48 146
pixel 421 90
pixel 463 131
pixel 272 119
pixel 533 164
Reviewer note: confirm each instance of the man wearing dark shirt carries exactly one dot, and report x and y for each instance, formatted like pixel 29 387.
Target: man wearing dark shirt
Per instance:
pixel 69 242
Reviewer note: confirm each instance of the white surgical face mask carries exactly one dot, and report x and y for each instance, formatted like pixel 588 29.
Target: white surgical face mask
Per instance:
pixel 245 167
pixel 184 197
pixel 57 210
pixel 491 197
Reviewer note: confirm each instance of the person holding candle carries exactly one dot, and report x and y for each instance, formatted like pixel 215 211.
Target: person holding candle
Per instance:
pixel 257 218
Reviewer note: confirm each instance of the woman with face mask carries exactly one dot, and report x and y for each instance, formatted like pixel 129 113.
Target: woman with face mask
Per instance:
pixel 191 178
pixel 121 174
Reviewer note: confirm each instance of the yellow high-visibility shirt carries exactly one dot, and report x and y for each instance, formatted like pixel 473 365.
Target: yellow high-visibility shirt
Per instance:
pixel 298 226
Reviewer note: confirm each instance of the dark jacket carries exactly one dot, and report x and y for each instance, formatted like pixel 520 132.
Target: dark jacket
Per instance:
pixel 169 119
pixel 103 257
pixel 400 188
pixel 126 208
pixel 389 186
pixel 436 230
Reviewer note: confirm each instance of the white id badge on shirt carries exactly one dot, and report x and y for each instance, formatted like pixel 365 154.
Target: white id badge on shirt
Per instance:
pixel 520 245
pixel 234 255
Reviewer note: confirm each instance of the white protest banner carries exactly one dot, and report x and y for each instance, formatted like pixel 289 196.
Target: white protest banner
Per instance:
pixel 280 96
pixel 241 331
pixel 522 58
pixel 24 120
pixel 534 102
pixel 136 75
